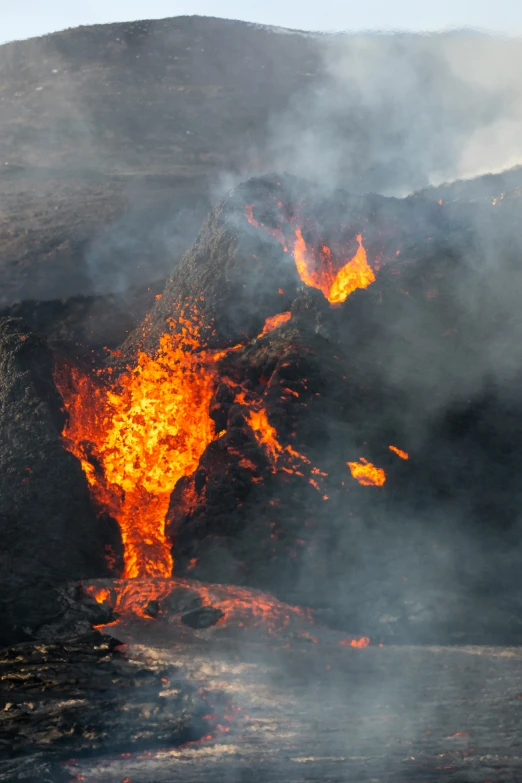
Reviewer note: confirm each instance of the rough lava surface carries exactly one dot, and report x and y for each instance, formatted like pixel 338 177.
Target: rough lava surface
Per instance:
pixel 49 531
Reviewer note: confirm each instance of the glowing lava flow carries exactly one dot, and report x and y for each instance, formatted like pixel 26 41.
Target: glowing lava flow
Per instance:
pixel 137 436
pixel 366 473
pixel 399 452
pixel 281 457
pixel 241 605
pixel 266 436
pixel 317 270
pixel 274 321
pixel 355 274
pixel 361 643
pixel 336 287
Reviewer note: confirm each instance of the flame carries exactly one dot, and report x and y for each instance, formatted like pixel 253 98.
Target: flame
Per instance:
pixel 366 473
pixel 275 321
pixel 137 436
pixel 399 452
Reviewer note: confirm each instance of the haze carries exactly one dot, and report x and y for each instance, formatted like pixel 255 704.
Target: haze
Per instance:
pixel 29 18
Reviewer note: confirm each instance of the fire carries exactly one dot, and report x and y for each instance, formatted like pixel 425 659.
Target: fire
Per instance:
pixel 366 473
pixel 274 321
pixel 399 452
pixel 137 436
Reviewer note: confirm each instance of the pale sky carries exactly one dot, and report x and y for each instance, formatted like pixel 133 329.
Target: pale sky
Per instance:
pixel 26 18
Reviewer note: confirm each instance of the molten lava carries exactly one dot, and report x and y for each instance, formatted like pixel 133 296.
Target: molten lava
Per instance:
pixel 318 270
pixel 137 436
pixel 355 274
pixel 361 643
pixel 281 457
pixel 336 286
pixel 399 452
pixel 243 606
pixel 366 473
pixel 275 321
pixel 265 434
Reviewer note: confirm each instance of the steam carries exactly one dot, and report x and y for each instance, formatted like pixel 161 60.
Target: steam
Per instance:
pixel 396 113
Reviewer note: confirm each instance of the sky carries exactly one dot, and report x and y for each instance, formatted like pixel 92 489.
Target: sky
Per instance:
pixel 28 18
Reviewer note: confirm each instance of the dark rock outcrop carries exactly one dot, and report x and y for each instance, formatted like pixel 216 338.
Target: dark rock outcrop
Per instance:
pixel 49 533
pixel 78 696
pixel 427 359
pixel 92 322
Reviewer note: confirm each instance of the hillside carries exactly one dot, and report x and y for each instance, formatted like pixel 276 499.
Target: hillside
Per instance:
pixel 135 120
pixel 115 140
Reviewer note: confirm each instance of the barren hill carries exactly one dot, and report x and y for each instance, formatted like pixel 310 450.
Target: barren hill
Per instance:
pixel 127 125
pixel 113 138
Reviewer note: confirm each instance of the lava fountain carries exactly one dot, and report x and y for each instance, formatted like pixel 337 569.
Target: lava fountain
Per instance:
pixel 137 434
pixel 319 269
pixel 320 273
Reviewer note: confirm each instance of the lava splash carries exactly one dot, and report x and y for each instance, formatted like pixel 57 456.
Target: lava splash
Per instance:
pixel 137 435
pixel 367 474
pixel 320 269
pixel 320 272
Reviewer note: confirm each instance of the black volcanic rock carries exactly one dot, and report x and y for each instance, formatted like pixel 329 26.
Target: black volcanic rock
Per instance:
pixel 112 136
pixel 80 695
pixel 426 359
pixel 203 617
pixel 48 529
pixel 91 321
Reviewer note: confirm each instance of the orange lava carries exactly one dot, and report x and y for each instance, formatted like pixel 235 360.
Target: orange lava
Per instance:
pixel 281 457
pixel 399 452
pixel 336 286
pixel 139 434
pixel 355 274
pixel 364 641
pixel 366 473
pixel 265 434
pixel 243 606
pixel 274 321
pixel 318 270
pixel 323 281
pixel 101 595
